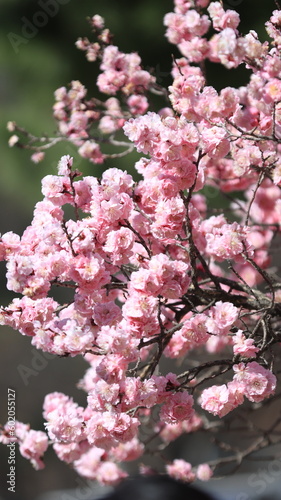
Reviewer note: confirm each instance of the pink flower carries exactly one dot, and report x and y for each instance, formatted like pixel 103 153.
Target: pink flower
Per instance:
pixel 122 72
pixel 227 48
pixel 19 432
pixel 53 400
pixel 119 245
pixel 218 399
pixel 64 418
pixel 91 150
pixel 138 104
pixel 33 447
pixel 108 473
pixel 87 465
pixel 229 241
pixel 37 157
pixel 89 272
pixel 204 472
pixel 107 429
pixel 65 424
pixel 181 470
pixel 103 396
pixel 126 452
pixel 107 313
pixel 223 19
pixel 57 189
pixel 118 207
pixel 244 346
pixel 115 181
pixel 69 452
pixel 172 431
pixel 178 407
pixel 112 368
pixel 215 142
pixel 258 382
pixel 169 218
pixel 163 277
pixel 140 313
pixel 222 316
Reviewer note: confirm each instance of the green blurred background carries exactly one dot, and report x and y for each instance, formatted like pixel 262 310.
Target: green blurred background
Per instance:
pixel 29 76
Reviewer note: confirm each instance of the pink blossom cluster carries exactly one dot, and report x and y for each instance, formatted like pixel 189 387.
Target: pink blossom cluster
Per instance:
pixel 32 444
pixel 252 381
pixel 79 118
pixel 155 278
pixel 183 471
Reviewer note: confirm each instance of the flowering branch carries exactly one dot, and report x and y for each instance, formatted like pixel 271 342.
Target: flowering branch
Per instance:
pixel 156 274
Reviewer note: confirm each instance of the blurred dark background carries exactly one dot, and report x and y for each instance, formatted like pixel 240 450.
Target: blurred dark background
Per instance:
pixel 30 71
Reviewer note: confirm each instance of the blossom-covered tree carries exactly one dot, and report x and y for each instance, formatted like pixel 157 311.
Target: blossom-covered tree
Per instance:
pixel 154 273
